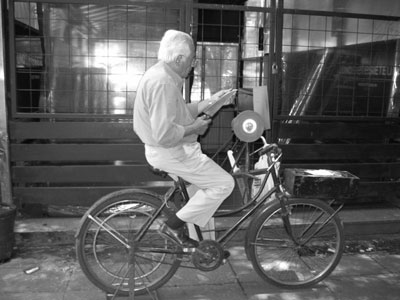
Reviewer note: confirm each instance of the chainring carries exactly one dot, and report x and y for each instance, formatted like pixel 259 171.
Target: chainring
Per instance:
pixel 208 256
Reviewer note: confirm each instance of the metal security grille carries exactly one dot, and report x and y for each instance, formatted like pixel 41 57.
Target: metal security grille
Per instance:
pixel 339 65
pixel 233 45
pixel 237 36
pixel 85 59
pixel 70 128
pixel 331 78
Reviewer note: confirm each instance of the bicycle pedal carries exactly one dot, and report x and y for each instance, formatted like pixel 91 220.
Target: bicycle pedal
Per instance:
pixel 189 249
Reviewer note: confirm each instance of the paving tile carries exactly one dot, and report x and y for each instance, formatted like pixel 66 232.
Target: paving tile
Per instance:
pixel 372 276
pixel 391 262
pixel 237 253
pixel 33 296
pixel 190 276
pixel 204 292
pixel 244 271
pixel 73 295
pixel 357 264
pixel 81 288
pixel 242 266
pixel 255 291
pixel 373 287
pixel 50 277
pixel 93 294
pixel 78 281
pixel 56 266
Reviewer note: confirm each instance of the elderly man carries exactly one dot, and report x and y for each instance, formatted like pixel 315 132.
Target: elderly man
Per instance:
pixel 169 127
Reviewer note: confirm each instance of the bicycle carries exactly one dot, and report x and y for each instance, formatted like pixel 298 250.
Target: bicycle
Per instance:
pixel 291 242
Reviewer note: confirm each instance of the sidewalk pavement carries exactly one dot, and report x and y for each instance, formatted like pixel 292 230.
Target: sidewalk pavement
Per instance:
pixel 361 275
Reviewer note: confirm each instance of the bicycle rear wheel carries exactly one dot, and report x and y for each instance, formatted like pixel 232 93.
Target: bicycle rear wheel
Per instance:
pixel 302 258
pixel 107 236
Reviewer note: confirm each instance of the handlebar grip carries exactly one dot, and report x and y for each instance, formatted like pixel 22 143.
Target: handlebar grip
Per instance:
pixel 271 147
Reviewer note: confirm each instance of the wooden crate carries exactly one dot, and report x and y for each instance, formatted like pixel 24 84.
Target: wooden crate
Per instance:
pixel 320 183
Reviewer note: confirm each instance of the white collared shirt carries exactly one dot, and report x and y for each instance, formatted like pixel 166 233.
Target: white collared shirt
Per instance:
pixel 160 112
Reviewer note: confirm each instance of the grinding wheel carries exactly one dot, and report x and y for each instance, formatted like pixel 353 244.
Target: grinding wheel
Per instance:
pixel 248 126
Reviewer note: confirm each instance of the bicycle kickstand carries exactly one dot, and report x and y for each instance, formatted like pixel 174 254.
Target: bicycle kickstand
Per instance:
pixel 131 278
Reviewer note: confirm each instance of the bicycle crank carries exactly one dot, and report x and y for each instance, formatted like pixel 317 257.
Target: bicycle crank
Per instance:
pixel 208 256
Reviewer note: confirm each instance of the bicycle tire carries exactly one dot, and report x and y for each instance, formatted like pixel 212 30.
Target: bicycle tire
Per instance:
pixel 305 260
pixel 106 261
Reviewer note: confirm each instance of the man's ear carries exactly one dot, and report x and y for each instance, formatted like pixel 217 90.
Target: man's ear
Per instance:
pixel 178 60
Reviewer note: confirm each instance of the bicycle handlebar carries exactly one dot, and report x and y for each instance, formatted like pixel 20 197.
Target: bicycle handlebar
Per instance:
pixel 270 148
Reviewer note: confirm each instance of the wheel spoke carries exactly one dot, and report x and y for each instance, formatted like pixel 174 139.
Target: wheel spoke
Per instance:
pixel 111 231
pixel 108 239
pixel 272 243
pixel 303 255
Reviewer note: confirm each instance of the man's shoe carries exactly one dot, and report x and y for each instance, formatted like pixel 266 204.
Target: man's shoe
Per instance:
pixel 178 236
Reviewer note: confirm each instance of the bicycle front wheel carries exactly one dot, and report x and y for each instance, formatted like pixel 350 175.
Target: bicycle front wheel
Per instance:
pixel 298 250
pixel 109 252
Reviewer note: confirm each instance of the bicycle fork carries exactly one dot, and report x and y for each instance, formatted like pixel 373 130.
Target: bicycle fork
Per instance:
pixel 285 212
pixel 321 226
pixel 283 199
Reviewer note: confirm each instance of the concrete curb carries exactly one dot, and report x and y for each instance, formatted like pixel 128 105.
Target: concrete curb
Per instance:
pixel 359 224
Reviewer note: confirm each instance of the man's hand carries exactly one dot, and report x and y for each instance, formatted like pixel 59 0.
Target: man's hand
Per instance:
pixel 199 126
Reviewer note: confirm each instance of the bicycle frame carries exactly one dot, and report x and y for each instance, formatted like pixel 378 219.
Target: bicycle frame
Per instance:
pixel 261 213
pixel 229 234
pixel 256 203
pixel 277 188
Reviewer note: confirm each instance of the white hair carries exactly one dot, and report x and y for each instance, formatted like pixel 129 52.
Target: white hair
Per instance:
pixel 173 44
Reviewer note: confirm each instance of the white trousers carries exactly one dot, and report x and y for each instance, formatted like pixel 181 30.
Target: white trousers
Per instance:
pixel 211 183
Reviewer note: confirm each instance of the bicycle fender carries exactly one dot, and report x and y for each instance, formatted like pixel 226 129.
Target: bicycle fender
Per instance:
pixel 105 197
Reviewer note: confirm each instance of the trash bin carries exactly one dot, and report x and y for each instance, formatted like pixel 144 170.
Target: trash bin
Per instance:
pixel 7 239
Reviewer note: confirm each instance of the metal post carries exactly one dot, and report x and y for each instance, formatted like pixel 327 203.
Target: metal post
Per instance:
pixel 5 180
pixel 277 7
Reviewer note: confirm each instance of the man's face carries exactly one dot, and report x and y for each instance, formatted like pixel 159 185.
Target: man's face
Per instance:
pixel 188 63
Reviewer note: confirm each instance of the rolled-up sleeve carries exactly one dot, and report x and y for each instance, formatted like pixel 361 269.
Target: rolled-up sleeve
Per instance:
pixel 193 108
pixel 163 109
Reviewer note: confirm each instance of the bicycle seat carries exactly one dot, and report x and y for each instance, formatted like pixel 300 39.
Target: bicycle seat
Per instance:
pixel 158 172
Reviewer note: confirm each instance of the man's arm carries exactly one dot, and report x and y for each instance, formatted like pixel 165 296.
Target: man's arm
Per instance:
pixel 199 126
pixel 162 104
